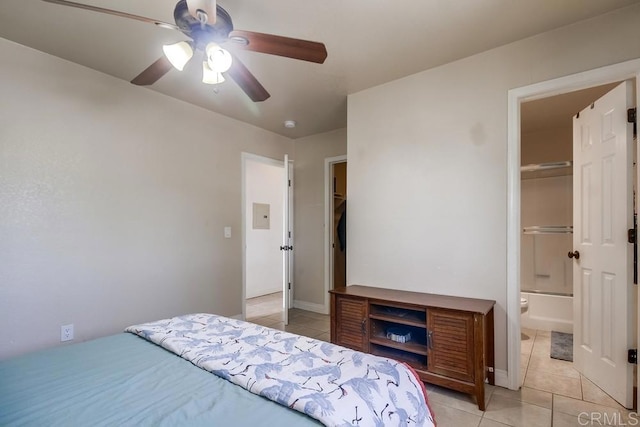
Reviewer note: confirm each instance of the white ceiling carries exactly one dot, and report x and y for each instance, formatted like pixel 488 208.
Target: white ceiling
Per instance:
pixel 369 42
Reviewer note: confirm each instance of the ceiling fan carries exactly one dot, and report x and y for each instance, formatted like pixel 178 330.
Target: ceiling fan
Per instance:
pixel 210 29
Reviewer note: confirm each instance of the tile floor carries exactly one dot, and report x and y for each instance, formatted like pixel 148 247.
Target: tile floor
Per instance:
pixel 553 394
pixel 267 311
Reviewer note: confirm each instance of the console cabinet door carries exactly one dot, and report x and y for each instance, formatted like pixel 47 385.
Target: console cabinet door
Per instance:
pixel 450 343
pixel 351 323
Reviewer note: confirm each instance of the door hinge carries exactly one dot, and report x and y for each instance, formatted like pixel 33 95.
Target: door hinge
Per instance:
pixel 632 238
pixel 632 117
pixel 289 286
pixel 289 234
pixel 289 183
pixel 632 356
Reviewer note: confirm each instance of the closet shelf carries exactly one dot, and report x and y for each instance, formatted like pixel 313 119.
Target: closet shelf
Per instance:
pixel 545 166
pixel 548 229
pixel 546 170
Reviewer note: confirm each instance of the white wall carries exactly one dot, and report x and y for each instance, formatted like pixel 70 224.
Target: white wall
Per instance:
pixel 264 184
pixel 428 163
pixel 308 285
pixel 113 200
pixel 553 144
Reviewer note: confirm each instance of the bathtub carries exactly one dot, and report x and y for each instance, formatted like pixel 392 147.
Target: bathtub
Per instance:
pixel 548 312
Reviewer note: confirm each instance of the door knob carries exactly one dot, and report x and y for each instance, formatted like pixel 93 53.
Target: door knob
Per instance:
pixel 574 254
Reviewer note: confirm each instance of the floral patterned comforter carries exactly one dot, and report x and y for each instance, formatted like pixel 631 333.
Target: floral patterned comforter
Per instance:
pixel 332 384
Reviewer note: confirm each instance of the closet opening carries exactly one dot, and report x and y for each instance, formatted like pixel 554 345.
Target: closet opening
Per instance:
pixel 335 238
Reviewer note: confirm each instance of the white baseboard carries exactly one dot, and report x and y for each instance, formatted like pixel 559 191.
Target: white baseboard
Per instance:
pixel 263 292
pixel 309 306
pixel 502 378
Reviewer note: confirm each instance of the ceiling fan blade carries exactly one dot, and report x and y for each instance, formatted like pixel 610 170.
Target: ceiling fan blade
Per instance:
pixel 153 72
pixel 247 81
pixel 113 12
pixel 303 50
pixel 207 6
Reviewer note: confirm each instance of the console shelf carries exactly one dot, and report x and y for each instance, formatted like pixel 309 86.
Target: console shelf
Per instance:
pixel 447 340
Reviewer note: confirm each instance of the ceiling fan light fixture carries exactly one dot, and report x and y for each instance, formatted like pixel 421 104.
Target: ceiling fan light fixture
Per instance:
pixel 210 76
pixel 178 54
pixel 219 59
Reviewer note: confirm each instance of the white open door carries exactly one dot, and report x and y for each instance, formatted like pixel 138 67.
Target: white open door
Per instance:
pixel 287 239
pixel 603 259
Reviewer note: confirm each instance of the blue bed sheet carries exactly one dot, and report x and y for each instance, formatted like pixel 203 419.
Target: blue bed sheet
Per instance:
pixel 122 380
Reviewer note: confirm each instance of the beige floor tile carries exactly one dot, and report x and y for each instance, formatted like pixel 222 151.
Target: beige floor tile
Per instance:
pixel 565 420
pixel 302 330
pixel 313 315
pixel 277 316
pixel 592 393
pixel 530 333
pixel 558 367
pixel 541 348
pixel 457 400
pixel 631 418
pixel 254 313
pixel 543 334
pixel 526 347
pixel 486 422
pixel 553 383
pixel 324 337
pixel 514 412
pixel 590 419
pixel 446 416
pixel 319 324
pixel 301 319
pixel 576 407
pixel 528 395
pixel 264 321
pixel 279 326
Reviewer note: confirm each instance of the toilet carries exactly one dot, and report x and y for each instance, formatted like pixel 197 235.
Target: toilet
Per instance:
pixel 524 305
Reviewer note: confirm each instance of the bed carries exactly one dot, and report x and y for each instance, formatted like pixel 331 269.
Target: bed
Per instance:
pixel 203 369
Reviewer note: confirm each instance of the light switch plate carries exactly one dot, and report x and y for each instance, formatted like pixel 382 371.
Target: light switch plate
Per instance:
pixel 227 232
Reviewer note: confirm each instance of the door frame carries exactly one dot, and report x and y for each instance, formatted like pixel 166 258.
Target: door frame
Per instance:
pixel 288 230
pixel 596 77
pixel 245 157
pixel 328 224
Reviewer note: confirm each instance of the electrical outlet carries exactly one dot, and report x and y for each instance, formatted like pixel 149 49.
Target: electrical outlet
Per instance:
pixel 66 332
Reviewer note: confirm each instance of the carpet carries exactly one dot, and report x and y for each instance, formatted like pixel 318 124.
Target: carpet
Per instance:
pixel 561 346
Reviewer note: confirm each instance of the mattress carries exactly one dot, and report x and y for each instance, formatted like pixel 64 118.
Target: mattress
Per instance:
pixel 124 380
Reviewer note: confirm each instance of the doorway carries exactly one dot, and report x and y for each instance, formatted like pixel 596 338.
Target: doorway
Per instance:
pixel 335 225
pixel 601 76
pixel 547 235
pixel 546 207
pixel 263 209
pixel 339 226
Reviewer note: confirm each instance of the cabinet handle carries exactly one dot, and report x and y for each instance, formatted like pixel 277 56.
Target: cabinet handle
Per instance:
pixel 364 327
pixel 430 339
